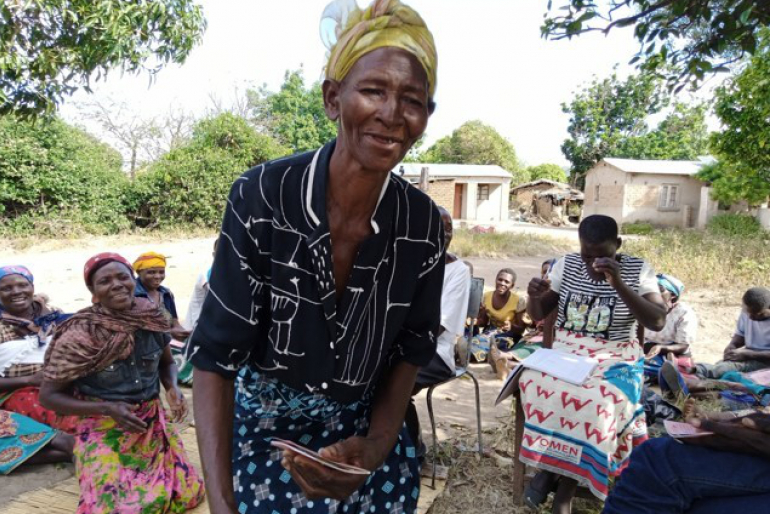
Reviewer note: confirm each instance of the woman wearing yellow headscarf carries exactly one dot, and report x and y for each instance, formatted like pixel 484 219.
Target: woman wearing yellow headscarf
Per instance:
pixel 324 294
pixel 151 270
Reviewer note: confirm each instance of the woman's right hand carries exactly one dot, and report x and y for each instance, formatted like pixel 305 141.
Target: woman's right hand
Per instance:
pixel 538 287
pixel 123 414
pixel 35 380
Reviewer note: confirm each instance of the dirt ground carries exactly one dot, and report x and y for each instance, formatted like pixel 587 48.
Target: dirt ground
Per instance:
pixel 58 273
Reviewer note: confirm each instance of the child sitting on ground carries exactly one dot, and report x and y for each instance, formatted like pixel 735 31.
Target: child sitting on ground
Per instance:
pixel 749 349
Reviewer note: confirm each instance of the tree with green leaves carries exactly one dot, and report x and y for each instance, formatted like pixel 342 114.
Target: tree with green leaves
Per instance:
pixel 684 40
pixel 294 115
pixel 190 183
pixel 743 146
pixel 51 48
pixel 476 143
pixel 547 171
pixel 682 135
pixel 605 113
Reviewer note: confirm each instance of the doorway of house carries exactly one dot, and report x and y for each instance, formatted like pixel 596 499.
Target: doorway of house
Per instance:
pixel 457 212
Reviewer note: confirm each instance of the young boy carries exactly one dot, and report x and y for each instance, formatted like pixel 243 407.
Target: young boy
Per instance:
pixel 749 349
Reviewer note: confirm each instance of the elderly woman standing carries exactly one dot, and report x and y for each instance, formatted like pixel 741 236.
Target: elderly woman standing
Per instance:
pixel 105 364
pixel 26 325
pixel 325 293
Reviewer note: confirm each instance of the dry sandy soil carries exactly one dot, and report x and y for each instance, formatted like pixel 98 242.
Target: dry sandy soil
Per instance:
pixel 58 266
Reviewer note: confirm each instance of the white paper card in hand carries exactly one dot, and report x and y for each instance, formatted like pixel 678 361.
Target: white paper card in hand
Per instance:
pixel 683 430
pixel 569 367
pixel 312 455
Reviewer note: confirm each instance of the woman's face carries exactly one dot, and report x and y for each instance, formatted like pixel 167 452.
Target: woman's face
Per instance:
pixel 16 294
pixel 503 283
pixel 113 286
pixel 381 106
pixel 668 298
pixel 589 252
pixel 152 278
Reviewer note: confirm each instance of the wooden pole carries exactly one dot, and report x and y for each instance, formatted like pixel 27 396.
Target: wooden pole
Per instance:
pixel 424 176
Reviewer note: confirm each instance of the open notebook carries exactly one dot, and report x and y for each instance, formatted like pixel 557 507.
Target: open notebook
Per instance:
pixel 571 368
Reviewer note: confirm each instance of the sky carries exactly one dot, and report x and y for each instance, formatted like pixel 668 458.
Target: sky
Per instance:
pixel 493 66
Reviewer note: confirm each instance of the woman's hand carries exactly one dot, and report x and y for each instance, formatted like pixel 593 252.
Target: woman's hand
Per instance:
pixel 506 327
pixel 319 481
pixel 123 414
pixel 747 435
pixel 611 270
pixel 179 333
pixel 538 287
pixel 178 404
pixel 653 352
pixel 35 380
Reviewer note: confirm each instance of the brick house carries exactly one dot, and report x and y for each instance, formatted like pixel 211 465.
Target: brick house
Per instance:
pixel 470 192
pixel 663 193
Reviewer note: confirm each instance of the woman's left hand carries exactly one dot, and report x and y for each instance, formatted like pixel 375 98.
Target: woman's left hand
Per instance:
pixel 178 404
pixel 318 481
pixel 611 270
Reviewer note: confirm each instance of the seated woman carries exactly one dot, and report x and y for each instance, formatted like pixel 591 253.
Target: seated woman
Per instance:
pixel 681 327
pixel 25 441
pixel 583 434
pixel 151 270
pixel 502 315
pixel 26 324
pixel 105 364
pixel 501 360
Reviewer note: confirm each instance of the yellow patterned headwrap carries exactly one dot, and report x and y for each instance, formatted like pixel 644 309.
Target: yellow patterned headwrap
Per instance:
pixel 149 260
pixel 349 33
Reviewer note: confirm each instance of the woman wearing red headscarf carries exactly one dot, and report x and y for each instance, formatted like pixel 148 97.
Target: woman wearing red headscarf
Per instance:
pixel 106 364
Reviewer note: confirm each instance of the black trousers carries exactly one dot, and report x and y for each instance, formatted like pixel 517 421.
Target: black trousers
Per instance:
pixel 434 373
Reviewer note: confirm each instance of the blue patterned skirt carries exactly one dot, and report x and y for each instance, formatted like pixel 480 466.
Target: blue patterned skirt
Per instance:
pixel 266 408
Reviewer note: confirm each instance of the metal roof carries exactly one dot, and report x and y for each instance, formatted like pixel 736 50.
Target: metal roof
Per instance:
pixel 412 169
pixel 652 167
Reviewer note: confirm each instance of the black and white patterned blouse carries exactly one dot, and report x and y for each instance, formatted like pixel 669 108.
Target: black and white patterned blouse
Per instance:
pixel 272 301
pixel 592 307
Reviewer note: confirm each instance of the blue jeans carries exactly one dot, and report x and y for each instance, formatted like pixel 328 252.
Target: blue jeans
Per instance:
pixel 666 477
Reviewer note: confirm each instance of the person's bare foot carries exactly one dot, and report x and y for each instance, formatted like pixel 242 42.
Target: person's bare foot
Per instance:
pixel 690 410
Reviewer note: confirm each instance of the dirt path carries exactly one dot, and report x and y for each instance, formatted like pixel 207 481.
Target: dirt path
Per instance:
pixel 58 273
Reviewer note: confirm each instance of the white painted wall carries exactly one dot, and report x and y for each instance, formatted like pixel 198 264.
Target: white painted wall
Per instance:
pixel 611 182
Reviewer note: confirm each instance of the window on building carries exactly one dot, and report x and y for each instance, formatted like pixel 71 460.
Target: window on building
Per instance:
pixel 482 192
pixel 597 188
pixel 669 197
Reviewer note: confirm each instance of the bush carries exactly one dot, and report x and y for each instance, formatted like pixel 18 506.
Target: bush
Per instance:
pixel 189 185
pixel 53 173
pixel 637 229
pixel 735 225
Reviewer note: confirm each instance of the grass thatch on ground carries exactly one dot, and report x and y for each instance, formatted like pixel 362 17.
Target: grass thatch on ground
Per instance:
pixel 485 485
pixel 466 243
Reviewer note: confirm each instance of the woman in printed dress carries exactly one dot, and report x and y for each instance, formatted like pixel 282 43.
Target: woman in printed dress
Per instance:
pixel 584 434
pixel 105 365
pixel 324 298
pixel 27 323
